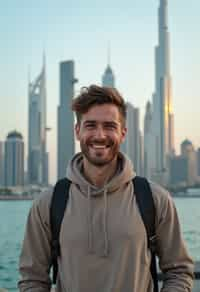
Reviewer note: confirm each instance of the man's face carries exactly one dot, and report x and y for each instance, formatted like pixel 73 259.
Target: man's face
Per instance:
pixel 100 133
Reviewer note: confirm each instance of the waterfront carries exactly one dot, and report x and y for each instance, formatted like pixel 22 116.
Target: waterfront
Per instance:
pixel 13 216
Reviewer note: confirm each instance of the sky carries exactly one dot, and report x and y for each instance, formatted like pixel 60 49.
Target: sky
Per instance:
pixel 82 30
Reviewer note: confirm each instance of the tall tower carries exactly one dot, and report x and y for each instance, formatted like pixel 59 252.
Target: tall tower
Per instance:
pixel 37 154
pixel 14 159
pixel 108 78
pixel 149 143
pixel 65 139
pixel 163 118
pixel 132 145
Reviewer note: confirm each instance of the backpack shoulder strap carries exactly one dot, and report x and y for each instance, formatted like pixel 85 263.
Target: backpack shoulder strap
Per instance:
pixel 146 206
pixel 57 209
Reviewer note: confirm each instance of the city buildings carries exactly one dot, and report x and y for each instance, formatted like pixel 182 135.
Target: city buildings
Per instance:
pixel 37 127
pixel 1 164
pixel 184 167
pixel 65 130
pixel 14 159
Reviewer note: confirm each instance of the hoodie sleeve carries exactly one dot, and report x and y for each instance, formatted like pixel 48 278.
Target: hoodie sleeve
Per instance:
pixel 35 258
pixel 174 260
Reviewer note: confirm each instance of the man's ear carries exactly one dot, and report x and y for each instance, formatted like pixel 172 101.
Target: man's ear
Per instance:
pixel 124 132
pixel 77 131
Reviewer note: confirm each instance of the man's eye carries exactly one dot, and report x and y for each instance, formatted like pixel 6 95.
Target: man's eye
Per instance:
pixel 112 127
pixel 89 126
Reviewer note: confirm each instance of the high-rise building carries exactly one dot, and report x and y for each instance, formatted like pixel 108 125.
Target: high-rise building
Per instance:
pixel 149 143
pixel 108 78
pixel 163 118
pixel 132 145
pixel 65 139
pixel 188 151
pixel 14 159
pixel 1 164
pixel 37 154
pixel 179 173
pixel 198 162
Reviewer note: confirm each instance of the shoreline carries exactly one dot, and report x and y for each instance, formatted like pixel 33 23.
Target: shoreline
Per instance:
pixel 15 198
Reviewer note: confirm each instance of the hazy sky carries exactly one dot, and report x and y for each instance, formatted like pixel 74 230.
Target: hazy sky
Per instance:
pixel 81 30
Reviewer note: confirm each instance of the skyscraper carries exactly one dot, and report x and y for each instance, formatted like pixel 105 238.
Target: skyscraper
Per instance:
pixel 37 154
pixel 149 143
pixel 108 78
pixel 65 139
pixel 188 151
pixel 163 119
pixel 1 164
pixel 132 145
pixel 14 159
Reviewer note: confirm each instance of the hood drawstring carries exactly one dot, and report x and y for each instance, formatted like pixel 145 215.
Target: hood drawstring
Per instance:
pixel 105 223
pixel 89 214
pixel 89 221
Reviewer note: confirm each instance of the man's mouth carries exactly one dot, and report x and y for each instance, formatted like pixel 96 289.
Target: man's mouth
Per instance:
pixel 97 146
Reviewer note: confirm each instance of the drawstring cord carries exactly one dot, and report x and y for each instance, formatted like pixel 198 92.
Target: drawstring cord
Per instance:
pixel 105 223
pixel 89 221
pixel 89 214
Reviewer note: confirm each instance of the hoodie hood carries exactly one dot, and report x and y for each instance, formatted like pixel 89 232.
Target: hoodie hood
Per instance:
pixel 124 174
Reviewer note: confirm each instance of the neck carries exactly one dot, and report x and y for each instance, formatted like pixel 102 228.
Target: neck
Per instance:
pixel 99 176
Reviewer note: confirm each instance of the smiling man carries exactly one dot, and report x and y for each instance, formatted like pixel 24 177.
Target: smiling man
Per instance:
pixel 103 245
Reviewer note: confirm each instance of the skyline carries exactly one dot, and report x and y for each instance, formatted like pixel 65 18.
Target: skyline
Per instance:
pixel 132 62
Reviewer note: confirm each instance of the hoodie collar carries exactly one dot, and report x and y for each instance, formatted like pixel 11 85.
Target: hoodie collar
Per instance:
pixel 123 174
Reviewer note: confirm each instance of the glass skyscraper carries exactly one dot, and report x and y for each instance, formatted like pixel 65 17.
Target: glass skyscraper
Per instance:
pixel 37 154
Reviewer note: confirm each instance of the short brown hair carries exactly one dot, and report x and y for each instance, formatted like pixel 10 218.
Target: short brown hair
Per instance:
pixel 96 95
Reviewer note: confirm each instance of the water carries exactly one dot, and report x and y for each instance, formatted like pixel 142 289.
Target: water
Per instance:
pixel 13 216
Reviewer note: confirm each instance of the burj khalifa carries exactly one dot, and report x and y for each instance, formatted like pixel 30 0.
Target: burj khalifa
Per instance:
pixel 163 118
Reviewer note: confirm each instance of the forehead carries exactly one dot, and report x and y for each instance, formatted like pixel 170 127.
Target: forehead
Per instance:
pixel 102 113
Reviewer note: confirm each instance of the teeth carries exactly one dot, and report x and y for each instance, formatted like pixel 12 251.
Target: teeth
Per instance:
pixel 99 146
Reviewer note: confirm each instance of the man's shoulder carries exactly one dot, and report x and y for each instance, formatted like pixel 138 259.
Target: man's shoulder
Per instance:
pixel 159 191
pixel 43 202
pixel 161 197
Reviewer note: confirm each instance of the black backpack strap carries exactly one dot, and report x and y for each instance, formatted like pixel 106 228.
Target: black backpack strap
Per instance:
pixel 57 209
pixel 146 206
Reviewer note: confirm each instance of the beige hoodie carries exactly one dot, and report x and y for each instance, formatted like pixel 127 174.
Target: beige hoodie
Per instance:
pixel 103 240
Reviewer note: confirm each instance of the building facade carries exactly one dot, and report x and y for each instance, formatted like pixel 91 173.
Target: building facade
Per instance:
pixel 149 143
pixel 163 117
pixel 188 151
pixel 14 159
pixel 37 127
pixel 1 163
pixel 179 173
pixel 65 138
pixel 132 145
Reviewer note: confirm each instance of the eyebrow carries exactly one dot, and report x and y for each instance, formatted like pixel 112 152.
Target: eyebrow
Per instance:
pixel 114 123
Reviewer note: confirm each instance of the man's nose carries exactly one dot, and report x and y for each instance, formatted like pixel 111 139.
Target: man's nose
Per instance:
pixel 100 133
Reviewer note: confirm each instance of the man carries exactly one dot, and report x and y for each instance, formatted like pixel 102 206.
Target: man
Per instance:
pixel 103 242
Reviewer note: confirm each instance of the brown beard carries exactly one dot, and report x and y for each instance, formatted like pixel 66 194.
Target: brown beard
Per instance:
pixel 113 152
